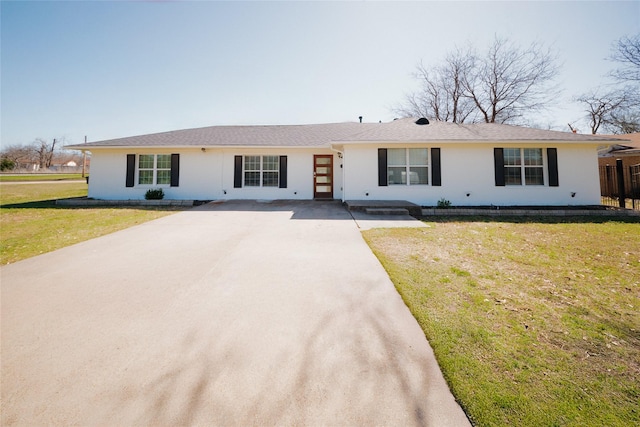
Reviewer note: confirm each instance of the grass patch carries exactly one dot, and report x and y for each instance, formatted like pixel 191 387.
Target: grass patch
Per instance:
pixel 31 223
pixel 532 323
pixel 26 177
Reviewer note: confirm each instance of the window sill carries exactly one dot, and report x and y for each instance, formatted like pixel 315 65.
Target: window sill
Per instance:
pixel 525 185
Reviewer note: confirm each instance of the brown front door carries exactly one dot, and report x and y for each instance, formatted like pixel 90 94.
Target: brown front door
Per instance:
pixel 323 176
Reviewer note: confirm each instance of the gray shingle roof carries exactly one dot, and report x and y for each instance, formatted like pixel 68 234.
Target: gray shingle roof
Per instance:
pixel 235 136
pixel 323 135
pixel 628 144
pixel 406 130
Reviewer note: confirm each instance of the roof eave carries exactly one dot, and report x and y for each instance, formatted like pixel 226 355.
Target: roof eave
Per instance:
pixel 474 141
pixel 82 147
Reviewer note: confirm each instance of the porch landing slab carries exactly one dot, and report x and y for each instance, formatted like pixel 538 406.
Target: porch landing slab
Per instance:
pixel 371 206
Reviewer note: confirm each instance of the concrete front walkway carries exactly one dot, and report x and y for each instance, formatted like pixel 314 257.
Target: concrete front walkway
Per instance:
pixel 239 313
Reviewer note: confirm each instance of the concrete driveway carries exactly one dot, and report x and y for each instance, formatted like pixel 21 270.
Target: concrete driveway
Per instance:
pixel 239 313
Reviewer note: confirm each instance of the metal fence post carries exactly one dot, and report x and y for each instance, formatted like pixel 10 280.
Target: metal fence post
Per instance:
pixel 620 171
pixel 634 175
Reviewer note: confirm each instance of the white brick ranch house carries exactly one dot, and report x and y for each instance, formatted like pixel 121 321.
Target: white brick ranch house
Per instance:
pixel 407 159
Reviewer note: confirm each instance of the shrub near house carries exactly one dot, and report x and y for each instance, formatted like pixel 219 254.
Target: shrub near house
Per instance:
pixel 154 194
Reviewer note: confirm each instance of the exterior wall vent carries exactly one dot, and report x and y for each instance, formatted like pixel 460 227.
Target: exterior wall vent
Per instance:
pixel 422 121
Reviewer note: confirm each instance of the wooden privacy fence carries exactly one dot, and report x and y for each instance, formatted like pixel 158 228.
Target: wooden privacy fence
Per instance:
pixel 620 186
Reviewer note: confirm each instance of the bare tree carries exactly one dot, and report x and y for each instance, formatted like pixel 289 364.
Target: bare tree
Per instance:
pixel 626 121
pixel 442 95
pixel 617 110
pixel 39 152
pixel 44 152
pixel 601 109
pixel 504 85
pixel 626 52
pixel 19 155
pixel 511 82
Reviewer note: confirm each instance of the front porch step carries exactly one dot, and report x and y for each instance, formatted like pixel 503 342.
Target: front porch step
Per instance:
pixel 384 207
pixel 386 211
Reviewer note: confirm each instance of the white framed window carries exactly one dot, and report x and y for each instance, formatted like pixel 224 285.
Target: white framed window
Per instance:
pixel 154 169
pixel 408 166
pixel 523 166
pixel 261 171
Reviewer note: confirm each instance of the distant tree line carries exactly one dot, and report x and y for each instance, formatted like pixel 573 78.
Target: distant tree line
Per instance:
pixel 505 83
pixel 38 155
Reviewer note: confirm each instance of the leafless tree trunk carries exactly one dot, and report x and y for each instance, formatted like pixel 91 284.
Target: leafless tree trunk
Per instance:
pixel 44 152
pixel 50 153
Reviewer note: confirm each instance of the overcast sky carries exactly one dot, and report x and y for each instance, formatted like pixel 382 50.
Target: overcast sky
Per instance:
pixel 110 69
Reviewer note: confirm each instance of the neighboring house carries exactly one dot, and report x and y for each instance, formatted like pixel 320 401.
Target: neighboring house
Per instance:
pixel 628 150
pixel 64 166
pixel 407 159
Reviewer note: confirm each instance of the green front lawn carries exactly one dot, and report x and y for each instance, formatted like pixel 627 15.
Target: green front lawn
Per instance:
pixel 26 177
pixel 32 224
pixel 533 324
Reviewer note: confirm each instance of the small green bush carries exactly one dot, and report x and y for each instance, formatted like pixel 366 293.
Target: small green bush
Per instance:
pixel 154 194
pixel 6 164
pixel 444 203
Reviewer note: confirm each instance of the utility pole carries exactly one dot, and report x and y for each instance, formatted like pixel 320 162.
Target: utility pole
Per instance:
pixel 84 157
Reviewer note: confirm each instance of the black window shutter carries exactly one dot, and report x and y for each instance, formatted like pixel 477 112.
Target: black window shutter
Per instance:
pixel 175 170
pixel 237 172
pixel 498 160
pixel 283 172
pixel 131 170
pixel 436 179
pixel 552 158
pixel 382 167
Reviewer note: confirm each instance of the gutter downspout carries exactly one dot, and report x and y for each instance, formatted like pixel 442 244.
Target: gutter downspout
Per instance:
pixel 222 183
pixel 341 157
